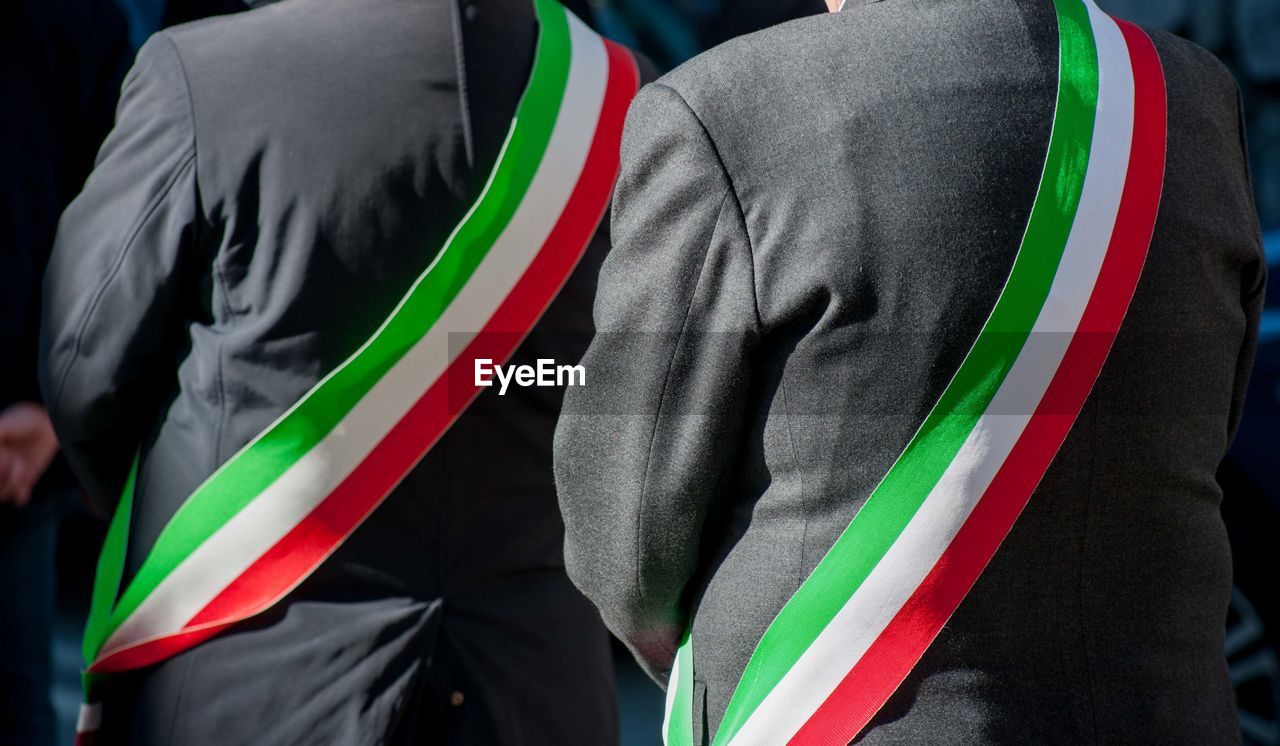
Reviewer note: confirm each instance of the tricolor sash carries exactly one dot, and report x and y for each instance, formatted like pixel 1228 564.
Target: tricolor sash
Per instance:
pixel 271 514
pixel 856 627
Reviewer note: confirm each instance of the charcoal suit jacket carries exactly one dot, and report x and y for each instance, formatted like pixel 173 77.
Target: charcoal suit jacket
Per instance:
pixel 275 181
pixel 812 224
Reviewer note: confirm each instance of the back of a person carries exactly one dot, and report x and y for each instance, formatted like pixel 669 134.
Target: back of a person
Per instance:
pixel 881 238
pixel 301 166
pixel 886 160
pixel 336 146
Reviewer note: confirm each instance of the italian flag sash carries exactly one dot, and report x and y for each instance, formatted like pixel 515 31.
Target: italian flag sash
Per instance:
pixel 857 626
pixel 269 516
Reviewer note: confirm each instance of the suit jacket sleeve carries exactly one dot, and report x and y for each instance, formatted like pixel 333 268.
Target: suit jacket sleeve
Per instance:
pixel 112 320
pixel 645 452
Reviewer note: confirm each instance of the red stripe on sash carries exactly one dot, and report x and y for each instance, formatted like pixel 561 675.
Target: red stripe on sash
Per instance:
pixel 889 660
pixel 292 559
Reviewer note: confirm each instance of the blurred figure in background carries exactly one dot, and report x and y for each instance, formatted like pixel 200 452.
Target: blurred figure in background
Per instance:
pixel 186 11
pixel 63 61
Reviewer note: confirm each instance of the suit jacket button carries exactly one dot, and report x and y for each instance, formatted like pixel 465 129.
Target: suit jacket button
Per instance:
pixel 456 699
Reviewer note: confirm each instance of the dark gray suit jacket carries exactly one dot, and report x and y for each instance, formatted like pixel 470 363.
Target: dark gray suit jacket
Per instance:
pixel 275 181
pixel 812 224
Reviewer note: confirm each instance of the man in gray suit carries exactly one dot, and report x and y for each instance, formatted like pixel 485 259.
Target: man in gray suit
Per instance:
pixel 276 182
pixel 922 262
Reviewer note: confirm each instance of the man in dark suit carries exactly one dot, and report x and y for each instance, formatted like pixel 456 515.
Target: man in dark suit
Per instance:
pixel 820 392
pixel 277 184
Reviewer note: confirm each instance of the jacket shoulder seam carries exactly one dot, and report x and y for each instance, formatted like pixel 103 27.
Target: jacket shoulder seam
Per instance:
pixel 732 191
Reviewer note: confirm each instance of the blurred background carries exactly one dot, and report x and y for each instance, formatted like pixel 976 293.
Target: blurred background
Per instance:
pixel 63 64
